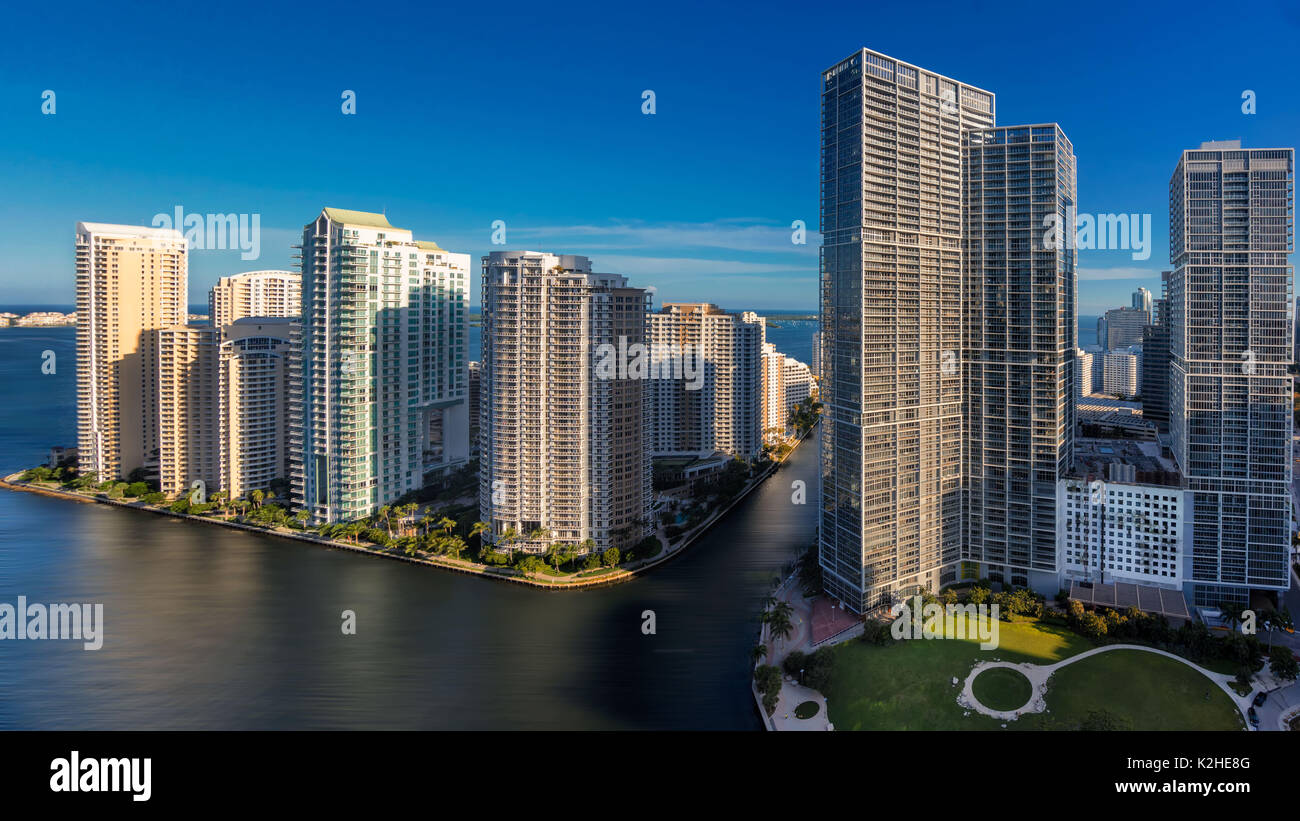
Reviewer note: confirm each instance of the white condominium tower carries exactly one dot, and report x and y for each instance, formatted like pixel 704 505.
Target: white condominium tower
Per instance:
pixel 706 391
pixel 1018 353
pixel 563 442
pixel 1231 228
pixel 891 309
pixel 382 378
pixel 786 383
pixel 254 362
pixel 131 281
pixel 256 293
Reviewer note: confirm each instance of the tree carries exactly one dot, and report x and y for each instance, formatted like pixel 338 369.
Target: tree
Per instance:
pixel 558 553
pixel 610 557
pixel 406 517
pixel 1283 664
pixel 384 516
pixel 768 680
pixel 257 496
pixel 779 624
pixel 759 652
pixel 454 545
pixel 530 564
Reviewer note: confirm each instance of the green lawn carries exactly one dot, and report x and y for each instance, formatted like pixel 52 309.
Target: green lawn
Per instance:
pixel 1001 688
pixel 907 685
pixel 1153 692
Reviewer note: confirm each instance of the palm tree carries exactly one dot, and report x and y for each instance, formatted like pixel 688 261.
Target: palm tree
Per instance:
pixel 759 652
pixel 558 553
pixel 783 610
pixel 406 516
pixel 384 516
pixel 778 622
pixel 257 496
pixel 454 545
pixel 302 516
pixel 478 529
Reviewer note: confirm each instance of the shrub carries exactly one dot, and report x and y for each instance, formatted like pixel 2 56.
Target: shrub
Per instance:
pixel 768 679
pixel 648 548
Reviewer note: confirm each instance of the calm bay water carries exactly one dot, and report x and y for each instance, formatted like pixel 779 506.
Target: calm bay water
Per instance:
pixel 209 628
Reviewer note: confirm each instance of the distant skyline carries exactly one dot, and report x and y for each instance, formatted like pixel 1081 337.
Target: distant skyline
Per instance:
pixel 454 132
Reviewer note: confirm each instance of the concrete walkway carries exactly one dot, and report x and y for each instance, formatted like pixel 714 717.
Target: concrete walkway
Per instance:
pixel 1038 675
pixel 792 695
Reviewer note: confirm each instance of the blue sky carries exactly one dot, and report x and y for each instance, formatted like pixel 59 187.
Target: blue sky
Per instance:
pixel 530 113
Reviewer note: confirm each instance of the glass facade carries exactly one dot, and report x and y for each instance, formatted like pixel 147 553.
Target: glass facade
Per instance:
pixel 1020 336
pixel 1231 217
pixel 891 311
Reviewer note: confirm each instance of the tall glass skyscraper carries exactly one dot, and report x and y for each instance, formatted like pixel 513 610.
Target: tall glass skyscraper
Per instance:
pixel 891 323
pixel 1018 350
pixel 1231 222
pixel 381 383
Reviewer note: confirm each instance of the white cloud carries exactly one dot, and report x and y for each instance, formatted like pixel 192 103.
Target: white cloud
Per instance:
pixel 1100 274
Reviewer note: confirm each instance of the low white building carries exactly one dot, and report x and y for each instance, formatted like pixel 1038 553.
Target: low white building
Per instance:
pixel 1122 531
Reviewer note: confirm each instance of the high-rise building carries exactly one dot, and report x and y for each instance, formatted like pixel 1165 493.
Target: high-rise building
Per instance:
pixel 786 383
pixel 382 383
pixel 1120 373
pixel 254 358
pixel 188 448
pixel 1124 327
pixel 1155 362
pixel 706 385
pixel 799 383
pixel 1019 348
pixel 131 281
pixel 1142 300
pixel 1231 220
pixel 1083 385
pixel 774 404
pixel 891 308
pixel 564 448
pixel 256 293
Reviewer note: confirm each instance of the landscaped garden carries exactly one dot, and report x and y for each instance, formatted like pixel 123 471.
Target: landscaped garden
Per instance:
pixel 908 685
pixel 1143 691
